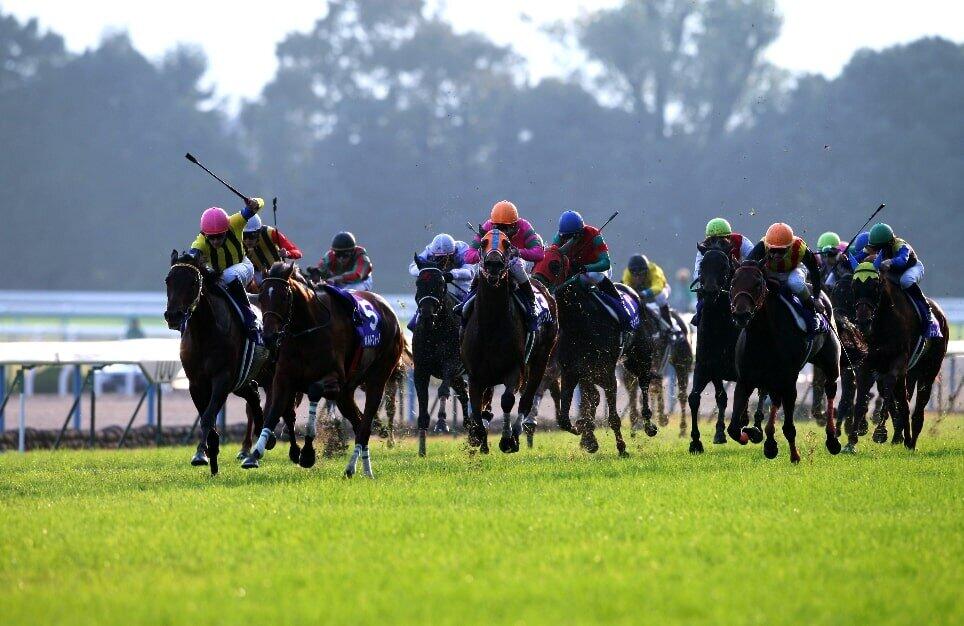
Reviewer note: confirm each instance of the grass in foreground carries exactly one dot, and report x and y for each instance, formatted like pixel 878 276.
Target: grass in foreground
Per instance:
pixel 550 535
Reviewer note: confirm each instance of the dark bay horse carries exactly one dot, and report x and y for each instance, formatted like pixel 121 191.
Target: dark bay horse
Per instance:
pixel 321 353
pixel 716 338
pixel 435 344
pixel 770 352
pixel 212 351
pixel 589 347
pixel 493 347
pixel 667 352
pixel 898 356
pixel 852 353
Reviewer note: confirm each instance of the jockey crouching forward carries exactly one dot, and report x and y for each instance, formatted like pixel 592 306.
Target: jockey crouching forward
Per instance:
pixel 346 264
pixel 788 260
pixel 264 246
pixel 447 254
pixel 588 256
pixel 719 235
pixel 648 279
pixel 505 217
pixel 219 245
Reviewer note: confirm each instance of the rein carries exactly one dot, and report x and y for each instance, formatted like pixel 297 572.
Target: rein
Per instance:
pixel 285 320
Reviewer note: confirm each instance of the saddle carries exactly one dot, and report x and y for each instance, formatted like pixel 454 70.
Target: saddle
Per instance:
pixel 800 313
pixel 364 316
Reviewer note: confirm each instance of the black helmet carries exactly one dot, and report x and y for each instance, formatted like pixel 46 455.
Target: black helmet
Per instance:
pixel 343 241
pixel 638 263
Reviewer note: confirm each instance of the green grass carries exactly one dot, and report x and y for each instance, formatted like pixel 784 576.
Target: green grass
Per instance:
pixel 550 536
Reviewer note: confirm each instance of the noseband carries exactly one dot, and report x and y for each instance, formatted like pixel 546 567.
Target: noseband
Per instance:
pixel 429 297
pixel 756 301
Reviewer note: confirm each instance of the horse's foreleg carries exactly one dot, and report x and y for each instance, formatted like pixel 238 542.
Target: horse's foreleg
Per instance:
pixel 208 447
pixel 252 410
pixel 508 443
pixel 421 378
pixel 281 397
pixel 924 389
pixel 830 390
pixel 568 382
pixel 789 429
pixel 349 410
pixel 741 400
pixel 719 394
pixel 700 380
pixel 682 381
pixel 478 435
pixel 614 422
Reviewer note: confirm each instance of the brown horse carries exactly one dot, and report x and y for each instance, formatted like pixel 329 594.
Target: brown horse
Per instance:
pixel 322 352
pixel 590 346
pixel 902 361
pixel 770 352
pixel 493 347
pixel 212 352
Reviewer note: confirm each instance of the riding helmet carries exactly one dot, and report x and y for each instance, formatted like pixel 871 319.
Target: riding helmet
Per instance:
pixel 638 263
pixel 881 235
pixel 570 223
pixel 718 227
pixel 779 235
pixel 343 241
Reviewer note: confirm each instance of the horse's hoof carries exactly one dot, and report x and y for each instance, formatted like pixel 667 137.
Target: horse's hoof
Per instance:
pixel 529 426
pixel 621 451
pixel 910 445
pixel 214 465
pixel 754 433
pixel 849 449
pixel 441 426
pixel 589 443
pixel 529 441
pixel 242 454
pixel 719 438
pixel 484 447
pixel 369 475
pixel 862 427
pixel 770 448
pixel 682 432
pixel 272 441
pixel 421 442
pixel 650 429
pixel 294 453
pixel 349 473
pixel 833 445
pixel 307 457
pixel 632 433
pixel 663 420
pixel 880 435
pixel 696 447
pixel 737 435
pixel 251 462
pixel 897 440
pixel 794 457
pixel 199 459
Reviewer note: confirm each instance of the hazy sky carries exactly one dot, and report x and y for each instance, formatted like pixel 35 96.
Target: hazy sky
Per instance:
pixel 239 38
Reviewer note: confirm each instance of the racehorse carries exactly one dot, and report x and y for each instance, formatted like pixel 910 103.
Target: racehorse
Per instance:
pixel 770 352
pixel 435 343
pixel 667 351
pixel 902 360
pixel 716 347
pixel 324 351
pixel 213 352
pixel 589 347
pixel 494 346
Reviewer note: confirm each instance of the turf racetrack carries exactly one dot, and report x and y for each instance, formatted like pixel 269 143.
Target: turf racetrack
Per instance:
pixel 548 536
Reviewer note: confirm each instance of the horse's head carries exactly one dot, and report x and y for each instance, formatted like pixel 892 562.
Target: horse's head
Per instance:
pixel 496 250
pixel 748 291
pixel 276 301
pixel 185 284
pixel 553 269
pixel 842 295
pixel 430 291
pixel 867 291
pixel 716 272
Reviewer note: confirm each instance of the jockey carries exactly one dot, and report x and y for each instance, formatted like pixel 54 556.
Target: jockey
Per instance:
pixel 649 280
pixel 219 246
pixel 719 234
pixel 506 218
pixel 265 245
pixel 829 257
pixel 788 260
pixel 589 258
pixel 447 254
pixel 895 256
pixel 346 264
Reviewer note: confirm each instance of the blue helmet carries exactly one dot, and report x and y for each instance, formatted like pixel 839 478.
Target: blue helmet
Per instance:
pixel 570 223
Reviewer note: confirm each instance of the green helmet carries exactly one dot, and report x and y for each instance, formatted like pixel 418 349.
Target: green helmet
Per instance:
pixel 718 227
pixel 827 241
pixel 881 234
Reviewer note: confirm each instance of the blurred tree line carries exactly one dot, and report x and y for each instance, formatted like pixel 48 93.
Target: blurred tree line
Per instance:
pixel 384 121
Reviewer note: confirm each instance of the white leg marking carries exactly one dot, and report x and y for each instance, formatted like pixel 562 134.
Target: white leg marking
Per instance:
pixel 263 441
pixel 310 430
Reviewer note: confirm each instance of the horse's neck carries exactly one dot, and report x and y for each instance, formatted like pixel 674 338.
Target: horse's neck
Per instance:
pixel 494 302
pixel 888 324
pixel 211 321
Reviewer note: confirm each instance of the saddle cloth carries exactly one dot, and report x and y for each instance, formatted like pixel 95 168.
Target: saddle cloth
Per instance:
pixel 367 320
pixel 608 304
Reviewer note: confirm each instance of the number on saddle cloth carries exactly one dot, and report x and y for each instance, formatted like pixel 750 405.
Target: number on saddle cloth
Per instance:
pixel 365 316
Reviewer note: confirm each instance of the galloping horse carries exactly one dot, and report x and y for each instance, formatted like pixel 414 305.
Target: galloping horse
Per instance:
pixel 494 343
pixel 213 356
pixel 323 351
pixel 716 347
pixel 435 344
pixel 667 351
pixel 770 352
pixel 902 360
pixel 589 347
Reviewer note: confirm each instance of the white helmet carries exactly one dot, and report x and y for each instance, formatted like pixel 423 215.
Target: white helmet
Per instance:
pixel 254 224
pixel 442 245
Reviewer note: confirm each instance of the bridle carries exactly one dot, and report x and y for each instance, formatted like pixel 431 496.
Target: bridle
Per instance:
pixel 725 279
pixel 430 297
pixel 497 277
pixel 284 321
pixel 756 301
pixel 197 298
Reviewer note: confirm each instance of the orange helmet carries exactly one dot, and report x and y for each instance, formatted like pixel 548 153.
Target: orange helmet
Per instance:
pixel 779 235
pixel 504 212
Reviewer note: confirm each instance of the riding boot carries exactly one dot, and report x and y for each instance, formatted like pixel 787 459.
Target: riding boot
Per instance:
pixel 412 323
pixel 607 287
pixel 931 329
pixel 811 307
pixel 528 297
pixel 237 292
pixel 668 319
pixel 695 321
pixel 464 309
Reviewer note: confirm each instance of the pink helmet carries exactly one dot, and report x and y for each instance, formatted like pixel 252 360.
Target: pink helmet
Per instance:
pixel 214 221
